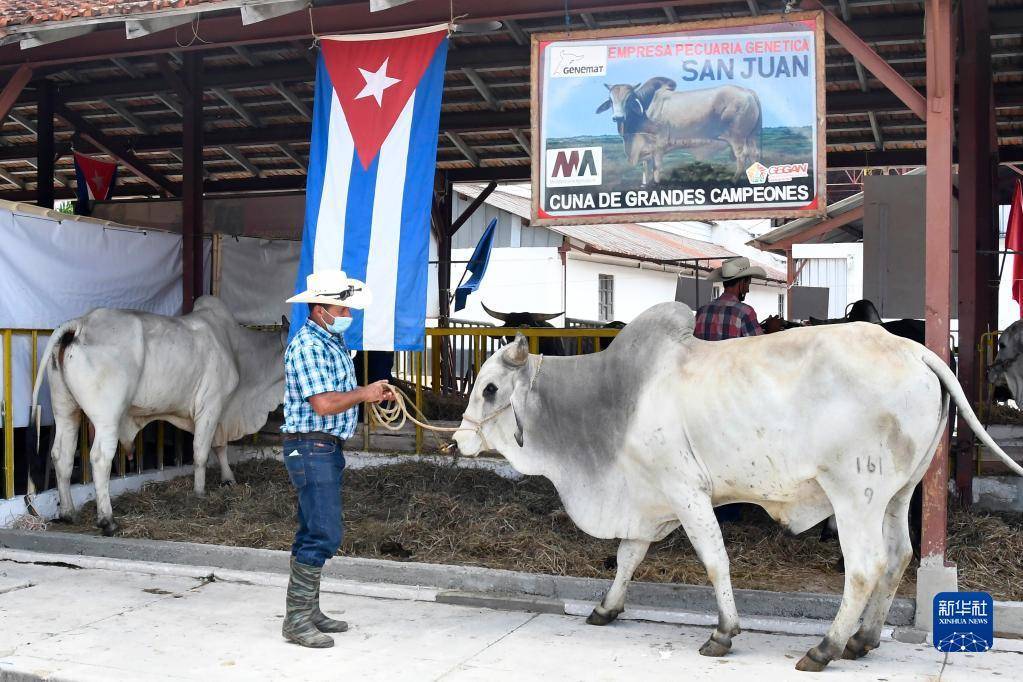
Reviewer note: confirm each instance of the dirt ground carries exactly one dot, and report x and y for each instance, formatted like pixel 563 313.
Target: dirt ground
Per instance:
pixel 444 514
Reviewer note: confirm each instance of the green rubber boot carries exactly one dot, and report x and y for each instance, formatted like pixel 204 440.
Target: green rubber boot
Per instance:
pixel 303 591
pixel 323 622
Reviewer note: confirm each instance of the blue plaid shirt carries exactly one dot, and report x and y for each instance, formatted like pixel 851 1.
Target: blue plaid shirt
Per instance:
pixel 317 362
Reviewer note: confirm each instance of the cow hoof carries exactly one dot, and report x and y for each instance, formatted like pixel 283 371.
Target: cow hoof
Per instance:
pixel 71 519
pixel 714 648
pixel 601 616
pixel 109 527
pixel 857 648
pixel 808 663
pixel 229 483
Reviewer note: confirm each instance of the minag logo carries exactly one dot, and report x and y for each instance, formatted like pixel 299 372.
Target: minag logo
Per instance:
pixel 574 166
pixel 757 174
pixel 578 61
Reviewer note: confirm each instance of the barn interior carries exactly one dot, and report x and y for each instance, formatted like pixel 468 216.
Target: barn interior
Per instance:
pixel 208 103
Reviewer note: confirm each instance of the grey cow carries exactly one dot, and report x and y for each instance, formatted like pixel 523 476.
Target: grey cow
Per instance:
pixel 633 439
pixel 654 118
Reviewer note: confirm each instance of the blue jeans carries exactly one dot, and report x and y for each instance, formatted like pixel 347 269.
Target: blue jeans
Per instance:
pixel 316 469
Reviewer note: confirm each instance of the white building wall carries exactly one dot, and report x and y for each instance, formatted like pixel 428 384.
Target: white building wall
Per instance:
pixel 837 266
pixel 635 289
pixel 517 280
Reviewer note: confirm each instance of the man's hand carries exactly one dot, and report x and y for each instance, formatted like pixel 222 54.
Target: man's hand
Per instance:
pixel 377 392
pixel 773 324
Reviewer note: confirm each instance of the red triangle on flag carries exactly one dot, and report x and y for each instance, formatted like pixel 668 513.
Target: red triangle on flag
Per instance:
pixel 373 80
pixel 98 175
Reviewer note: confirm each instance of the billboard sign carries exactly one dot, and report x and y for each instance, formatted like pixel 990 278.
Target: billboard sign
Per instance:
pixel 718 119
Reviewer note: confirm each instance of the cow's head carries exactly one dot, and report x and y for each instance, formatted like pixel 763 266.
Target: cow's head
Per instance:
pixel 1007 369
pixel 491 420
pixel 523 320
pixel 623 103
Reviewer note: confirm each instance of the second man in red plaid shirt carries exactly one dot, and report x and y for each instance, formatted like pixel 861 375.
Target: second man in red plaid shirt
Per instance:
pixel 727 317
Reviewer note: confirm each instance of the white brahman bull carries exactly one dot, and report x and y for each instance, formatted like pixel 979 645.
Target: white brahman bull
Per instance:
pixel 662 427
pixel 202 372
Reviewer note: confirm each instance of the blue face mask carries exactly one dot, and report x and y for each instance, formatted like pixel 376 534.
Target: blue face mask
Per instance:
pixel 339 325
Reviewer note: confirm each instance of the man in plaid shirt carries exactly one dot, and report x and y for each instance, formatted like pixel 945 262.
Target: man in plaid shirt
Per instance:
pixel 321 402
pixel 727 317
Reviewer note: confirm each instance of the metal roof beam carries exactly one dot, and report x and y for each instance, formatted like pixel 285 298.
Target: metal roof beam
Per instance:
pixel 589 20
pixel 293 100
pixel 483 89
pixel 290 152
pixel 516 32
pixel 875 130
pixel 129 68
pixel 754 7
pixel 13 89
pixel 24 123
pixel 464 148
pixel 127 115
pixel 237 106
pixel 4 175
pixel 170 103
pixel 246 54
pixel 671 14
pixel 520 137
pixel 240 159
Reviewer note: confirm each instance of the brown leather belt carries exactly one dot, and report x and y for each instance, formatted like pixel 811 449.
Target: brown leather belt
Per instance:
pixel 316 435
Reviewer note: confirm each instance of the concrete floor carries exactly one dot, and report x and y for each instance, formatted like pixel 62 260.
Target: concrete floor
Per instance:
pixel 60 623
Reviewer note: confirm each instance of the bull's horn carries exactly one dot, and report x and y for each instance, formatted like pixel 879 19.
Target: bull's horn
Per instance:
pixel 494 314
pixel 546 317
pixel 517 352
pixel 608 87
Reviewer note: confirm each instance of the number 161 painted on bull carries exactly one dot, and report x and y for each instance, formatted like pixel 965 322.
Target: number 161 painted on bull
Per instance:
pixel 717 119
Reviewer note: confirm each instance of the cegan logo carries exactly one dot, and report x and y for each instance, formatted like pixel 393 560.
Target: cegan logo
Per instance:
pixel 757 174
pixel 786 171
pixel 574 166
pixel 578 61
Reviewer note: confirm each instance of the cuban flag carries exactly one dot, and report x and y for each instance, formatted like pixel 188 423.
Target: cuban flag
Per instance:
pixel 369 189
pixel 95 181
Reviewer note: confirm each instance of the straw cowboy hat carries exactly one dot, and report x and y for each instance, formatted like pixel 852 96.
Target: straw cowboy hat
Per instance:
pixel 333 287
pixel 734 268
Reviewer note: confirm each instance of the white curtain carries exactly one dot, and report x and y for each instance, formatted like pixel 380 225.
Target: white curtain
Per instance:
pixel 54 269
pixel 257 276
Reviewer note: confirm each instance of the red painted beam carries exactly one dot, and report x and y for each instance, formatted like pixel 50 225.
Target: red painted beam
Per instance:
pixel 812 231
pixel 938 248
pixel 12 89
pixel 871 60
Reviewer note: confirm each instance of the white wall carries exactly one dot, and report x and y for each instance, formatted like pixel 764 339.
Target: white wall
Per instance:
pixel 851 284
pixel 764 299
pixel 517 280
pixel 635 289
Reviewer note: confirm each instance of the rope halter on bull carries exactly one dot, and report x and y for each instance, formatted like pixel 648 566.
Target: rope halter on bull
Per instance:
pixel 393 417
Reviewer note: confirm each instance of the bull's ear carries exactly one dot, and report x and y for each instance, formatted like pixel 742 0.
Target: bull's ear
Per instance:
pixel 604 107
pixel 517 352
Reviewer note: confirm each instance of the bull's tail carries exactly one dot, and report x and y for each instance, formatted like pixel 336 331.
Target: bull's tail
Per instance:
pixel 60 339
pixel 951 384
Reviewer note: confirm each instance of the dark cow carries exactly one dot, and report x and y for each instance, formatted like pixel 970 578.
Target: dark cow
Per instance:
pixel 653 118
pixel 548 345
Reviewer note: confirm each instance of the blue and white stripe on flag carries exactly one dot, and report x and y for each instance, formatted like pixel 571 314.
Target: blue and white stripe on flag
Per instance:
pixel 370 182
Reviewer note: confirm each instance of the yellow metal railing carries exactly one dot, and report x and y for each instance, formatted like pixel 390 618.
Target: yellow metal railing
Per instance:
pixel 461 351
pixel 453 356
pixel 8 336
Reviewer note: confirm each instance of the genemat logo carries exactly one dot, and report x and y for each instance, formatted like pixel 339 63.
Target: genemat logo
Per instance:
pixel 578 61
pixel 574 166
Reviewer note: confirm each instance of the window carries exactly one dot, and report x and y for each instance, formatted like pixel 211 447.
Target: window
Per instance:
pixel 781 305
pixel 606 297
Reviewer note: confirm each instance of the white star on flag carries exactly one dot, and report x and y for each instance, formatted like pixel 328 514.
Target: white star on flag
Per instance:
pixel 376 83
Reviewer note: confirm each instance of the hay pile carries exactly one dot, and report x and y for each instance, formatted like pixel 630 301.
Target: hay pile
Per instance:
pixel 443 514
pixel 1000 413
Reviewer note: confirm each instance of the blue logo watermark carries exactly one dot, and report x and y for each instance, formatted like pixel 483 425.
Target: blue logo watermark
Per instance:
pixel 963 622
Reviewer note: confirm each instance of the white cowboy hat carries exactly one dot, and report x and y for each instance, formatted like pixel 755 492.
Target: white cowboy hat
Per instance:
pixel 333 287
pixel 734 268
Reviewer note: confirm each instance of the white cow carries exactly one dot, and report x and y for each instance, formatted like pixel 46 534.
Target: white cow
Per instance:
pixel 202 372
pixel 661 427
